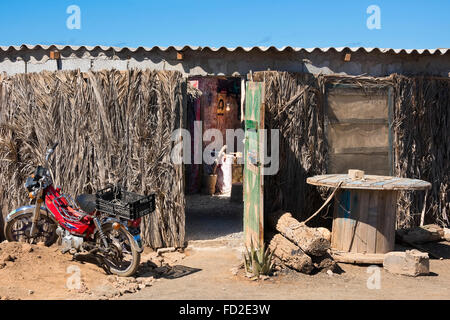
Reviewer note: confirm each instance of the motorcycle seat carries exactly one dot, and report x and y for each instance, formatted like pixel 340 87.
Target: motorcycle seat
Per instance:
pixel 86 202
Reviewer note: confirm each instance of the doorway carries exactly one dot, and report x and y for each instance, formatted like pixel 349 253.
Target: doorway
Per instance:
pixel 213 180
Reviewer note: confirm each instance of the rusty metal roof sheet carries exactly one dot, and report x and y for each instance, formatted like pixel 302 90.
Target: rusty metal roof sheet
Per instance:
pixel 439 51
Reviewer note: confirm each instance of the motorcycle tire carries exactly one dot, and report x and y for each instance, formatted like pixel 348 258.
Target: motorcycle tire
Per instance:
pixel 9 232
pixel 136 256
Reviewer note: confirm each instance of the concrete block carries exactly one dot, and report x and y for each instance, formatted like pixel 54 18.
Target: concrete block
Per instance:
pixel 410 263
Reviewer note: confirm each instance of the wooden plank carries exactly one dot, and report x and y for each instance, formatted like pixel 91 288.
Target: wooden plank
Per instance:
pixel 361 232
pixel 253 180
pixel 407 184
pixel 357 258
pixel 356 90
pixel 372 222
pixel 316 179
pixel 382 226
pixel 337 222
pixel 341 107
pixel 358 121
pixel 360 184
pixel 346 226
pixel 334 180
pixel 371 182
pixel 391 216
pixel 335 226
pixel 386 181
pixel 355 198
pixel 391 120
pixel 361 150
pixel 369 163
pixel 358 135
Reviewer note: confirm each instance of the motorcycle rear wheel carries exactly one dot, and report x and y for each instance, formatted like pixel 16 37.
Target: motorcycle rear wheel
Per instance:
pixel 120 242
pixel 17 230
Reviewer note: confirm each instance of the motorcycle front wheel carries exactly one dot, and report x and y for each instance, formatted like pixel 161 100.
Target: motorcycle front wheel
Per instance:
pixel 18 229
pixel 122 257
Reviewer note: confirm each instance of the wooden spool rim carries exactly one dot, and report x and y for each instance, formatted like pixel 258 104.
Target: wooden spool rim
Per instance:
pixel 370 182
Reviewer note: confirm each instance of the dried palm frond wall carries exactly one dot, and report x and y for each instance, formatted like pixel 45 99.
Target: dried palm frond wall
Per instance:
pixel 293 104
pixel 113 127
pixel 421 118
pixel 422 146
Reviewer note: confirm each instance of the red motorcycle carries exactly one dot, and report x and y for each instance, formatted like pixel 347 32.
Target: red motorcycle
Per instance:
pixel 105 224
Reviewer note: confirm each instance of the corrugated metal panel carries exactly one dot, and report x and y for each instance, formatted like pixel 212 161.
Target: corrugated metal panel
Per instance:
pixel 439 51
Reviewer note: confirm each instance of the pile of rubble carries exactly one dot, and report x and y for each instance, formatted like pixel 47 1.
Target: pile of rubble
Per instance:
pixel 299 247
pixel 116 286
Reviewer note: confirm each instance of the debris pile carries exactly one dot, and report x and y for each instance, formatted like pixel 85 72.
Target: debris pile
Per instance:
pixel 115 287
pixel 300 247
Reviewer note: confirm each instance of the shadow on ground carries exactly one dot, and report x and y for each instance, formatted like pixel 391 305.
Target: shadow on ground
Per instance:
pixel 436 250
pixel 166 271
pixel 146 269
pixel 213 217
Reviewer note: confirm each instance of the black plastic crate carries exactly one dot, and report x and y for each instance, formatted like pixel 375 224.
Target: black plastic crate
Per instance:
pixel 115 200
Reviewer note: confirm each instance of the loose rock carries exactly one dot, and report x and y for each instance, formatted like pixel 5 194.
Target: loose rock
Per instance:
pixel 7 258
pixel 410 263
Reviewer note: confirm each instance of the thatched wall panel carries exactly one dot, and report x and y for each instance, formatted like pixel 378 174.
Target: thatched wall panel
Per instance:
pixel 293 104
pixel 422 146
pixel 113 127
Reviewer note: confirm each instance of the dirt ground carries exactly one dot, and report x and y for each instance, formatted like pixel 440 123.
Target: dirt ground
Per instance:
pixel 39 272
pixel 203 271
pixel 215 280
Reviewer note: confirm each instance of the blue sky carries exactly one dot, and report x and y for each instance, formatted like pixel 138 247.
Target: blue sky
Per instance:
pixel 300 23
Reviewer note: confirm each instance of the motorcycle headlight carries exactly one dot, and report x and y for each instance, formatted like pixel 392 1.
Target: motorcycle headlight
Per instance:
pixel 116 226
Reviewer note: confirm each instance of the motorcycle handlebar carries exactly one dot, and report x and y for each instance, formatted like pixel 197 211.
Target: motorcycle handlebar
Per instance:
pixel 51 150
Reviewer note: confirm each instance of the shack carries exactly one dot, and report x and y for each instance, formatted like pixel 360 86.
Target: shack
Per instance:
pixel 384 111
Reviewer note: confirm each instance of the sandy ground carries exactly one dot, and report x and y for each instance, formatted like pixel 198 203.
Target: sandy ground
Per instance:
pixel 203 271
pixel 214 280
pixel 39 272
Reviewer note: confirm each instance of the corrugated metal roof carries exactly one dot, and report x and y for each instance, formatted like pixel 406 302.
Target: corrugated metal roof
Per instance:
pixel 439 51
